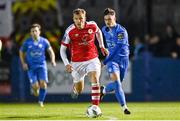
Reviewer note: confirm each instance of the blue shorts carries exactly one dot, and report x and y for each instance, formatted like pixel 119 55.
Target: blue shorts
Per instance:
pixel 118 65
pixel 37 74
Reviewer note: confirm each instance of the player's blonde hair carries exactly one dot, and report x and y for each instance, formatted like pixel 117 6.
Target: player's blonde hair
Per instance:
pixel 79 11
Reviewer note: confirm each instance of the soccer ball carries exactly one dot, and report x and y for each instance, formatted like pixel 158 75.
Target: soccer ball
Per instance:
pixel 93 111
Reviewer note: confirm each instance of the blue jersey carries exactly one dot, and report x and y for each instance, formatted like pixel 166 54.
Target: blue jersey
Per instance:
pixel 35 52
pixel 117 42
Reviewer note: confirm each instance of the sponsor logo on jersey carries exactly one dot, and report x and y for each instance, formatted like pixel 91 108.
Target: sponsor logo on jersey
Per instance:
pixel 84 40
pixel 35 54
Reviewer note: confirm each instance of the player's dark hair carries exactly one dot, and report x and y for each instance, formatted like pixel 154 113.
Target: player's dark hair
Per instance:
pixel 79 11
pixel 109 11
pixel 35 25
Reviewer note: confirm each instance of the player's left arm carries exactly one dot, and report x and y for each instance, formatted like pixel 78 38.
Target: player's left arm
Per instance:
pixel 52 55
pixel 99 37
pixel 50 52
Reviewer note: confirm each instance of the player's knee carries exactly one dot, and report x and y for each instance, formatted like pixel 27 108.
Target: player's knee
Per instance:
pixel 114 77
pixel 79 87
pixel 35 86
pixel 79 91
pixel 43 84
pixel 94 79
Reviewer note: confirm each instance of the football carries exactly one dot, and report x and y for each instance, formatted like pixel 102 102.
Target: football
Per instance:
pixel 93 111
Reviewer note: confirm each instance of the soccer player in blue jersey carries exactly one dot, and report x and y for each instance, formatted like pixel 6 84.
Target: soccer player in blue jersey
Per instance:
pixel 116 38
pixel 33 59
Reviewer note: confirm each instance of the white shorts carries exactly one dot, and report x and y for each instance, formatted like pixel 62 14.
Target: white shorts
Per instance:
pixel 81 69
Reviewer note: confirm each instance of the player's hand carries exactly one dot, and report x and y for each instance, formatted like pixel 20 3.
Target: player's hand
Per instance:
pixel 104 51
pixel 25 66
pixel 53 63
pixel 69 68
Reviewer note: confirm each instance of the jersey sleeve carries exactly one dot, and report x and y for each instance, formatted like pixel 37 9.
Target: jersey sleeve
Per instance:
pixel 24 46
pixel 65 44
pixel 66 39
pixel 47 44
pixel 122 37
pixel 95 24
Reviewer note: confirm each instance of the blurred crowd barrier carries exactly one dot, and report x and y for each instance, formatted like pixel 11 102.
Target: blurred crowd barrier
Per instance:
pixel 148 79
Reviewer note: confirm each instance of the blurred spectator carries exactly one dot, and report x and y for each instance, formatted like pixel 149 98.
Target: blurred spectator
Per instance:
pixel 154 45
pixel 0 49
pixel 139 47
pixel 175 53
pixel 169 40
pixel 7 51
pixel 0 45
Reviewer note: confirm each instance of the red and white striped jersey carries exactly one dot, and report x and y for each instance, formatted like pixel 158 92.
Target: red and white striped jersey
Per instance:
pixel 81 41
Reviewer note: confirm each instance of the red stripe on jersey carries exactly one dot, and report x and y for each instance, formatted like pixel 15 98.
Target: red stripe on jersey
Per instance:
pixel 67 45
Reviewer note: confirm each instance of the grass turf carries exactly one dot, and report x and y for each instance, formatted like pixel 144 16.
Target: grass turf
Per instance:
pixel 76 111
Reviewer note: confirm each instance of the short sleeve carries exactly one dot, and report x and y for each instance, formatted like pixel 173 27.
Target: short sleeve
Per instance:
pixel 66 39
pixel 122 36
pixel 24 46
pixel 47 44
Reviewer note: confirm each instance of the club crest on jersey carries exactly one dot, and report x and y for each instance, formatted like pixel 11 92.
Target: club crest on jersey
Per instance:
pixel 40 45
pixel 90 31
pixel 121 36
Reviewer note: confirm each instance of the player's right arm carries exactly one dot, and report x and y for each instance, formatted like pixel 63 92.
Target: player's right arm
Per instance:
pixel 64 44
pixel 99 37
pixel 65 59
pixel 22 55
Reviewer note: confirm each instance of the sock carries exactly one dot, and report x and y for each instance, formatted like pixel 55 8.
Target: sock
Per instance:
pixel 42 94
pixel 124 107
pixel 95 93
pixel 110 87
pixel 119 93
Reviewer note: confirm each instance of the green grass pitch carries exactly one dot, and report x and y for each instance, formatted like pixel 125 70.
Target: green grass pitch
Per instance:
pixel 76 111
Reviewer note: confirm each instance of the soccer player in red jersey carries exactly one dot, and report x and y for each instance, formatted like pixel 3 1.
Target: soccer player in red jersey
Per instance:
pixel 80 37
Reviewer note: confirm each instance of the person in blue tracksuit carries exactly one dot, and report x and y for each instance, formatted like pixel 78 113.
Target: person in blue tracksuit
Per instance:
pixel 116 38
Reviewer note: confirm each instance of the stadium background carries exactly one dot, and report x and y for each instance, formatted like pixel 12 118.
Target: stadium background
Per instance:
pixel 153 74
